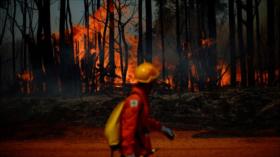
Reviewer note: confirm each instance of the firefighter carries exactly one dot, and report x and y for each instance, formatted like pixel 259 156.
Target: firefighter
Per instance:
pixel 136 122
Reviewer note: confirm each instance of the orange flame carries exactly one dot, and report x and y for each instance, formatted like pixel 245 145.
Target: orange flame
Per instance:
pixel 223 68
pixel 26 76
pixel 96 25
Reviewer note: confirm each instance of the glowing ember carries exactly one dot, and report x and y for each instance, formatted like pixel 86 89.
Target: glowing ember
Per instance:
pixel 26 76
pixel 206 42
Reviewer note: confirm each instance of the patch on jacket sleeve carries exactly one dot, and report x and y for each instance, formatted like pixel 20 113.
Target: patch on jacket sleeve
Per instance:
pixel 133 103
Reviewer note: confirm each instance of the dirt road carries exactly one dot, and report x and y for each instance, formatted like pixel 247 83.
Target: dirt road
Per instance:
pixel 92 144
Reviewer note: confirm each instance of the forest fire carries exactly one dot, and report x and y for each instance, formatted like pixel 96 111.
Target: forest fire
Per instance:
pixel 102 50
pixel 96 26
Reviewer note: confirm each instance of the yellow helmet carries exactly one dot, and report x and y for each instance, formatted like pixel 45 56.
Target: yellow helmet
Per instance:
pixel 146 73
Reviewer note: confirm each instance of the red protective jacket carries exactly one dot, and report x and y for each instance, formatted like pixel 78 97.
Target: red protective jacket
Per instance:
pixel 136 124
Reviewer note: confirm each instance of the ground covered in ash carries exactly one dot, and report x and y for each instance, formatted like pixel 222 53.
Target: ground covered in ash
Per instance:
pixel 242 110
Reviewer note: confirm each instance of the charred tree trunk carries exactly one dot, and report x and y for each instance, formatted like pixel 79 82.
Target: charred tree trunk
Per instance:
pixel 87 59
pixel 186 44
pixel 1 75
pixel 111 42
pixel 120 47
pixel 47 33
pixel 192 42
pixel 87 44
pixel 203 53
pixel 74 66
pixel 101 52
pixel 62 25
pixel 72 31
pixel 103 70
pixel 232 43
pixel 140 56
pixel 191 24
pixel 271 41
pixel 162 38
pixel 44 47
pixel 65 56
pixel 13 40
pixel 258 44
pixel 121 38
pixel 125 55
pixel 149 32
pixel 4 24
pixel 24 28
pixel 178 49
pixel 250 43
pixel 94 56
pixel 278 15
pixel 212 35
pixel 48 52
pixel 36 56
pixel 241 44
pixel 30 16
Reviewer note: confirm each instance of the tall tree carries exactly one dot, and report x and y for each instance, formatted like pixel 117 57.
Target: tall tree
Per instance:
pixel 111 41
pixel 12 29
pixel 24 34
pixel 250 42
pixel 178 48
pixel 62 25
pixel 278 15
pixel 123 44
pixel 66 56
pixel 241 43
pixel 140 57
pixel 103 70
pixel 212 35
pixel 86 62
pixel 178 40
pixel 101 50
pixel 203 54
pixel 258 43
pixel 161 3
pixel 44 45
pixel 73 67
pixel 186 42
pixel 271 41
pixel 87 41
pixel 48 53
pixel 48 56
pixel 4 24
pixel 36 57
pixel 4 5
pixel 62 43
pixel 232 43
pixel 149 31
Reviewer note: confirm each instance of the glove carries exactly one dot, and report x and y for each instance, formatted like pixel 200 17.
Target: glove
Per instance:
pixel 168 132
pixel 131 155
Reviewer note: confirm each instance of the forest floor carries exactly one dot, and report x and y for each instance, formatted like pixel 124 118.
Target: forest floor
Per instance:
pixel 220 123
pixel 89 143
